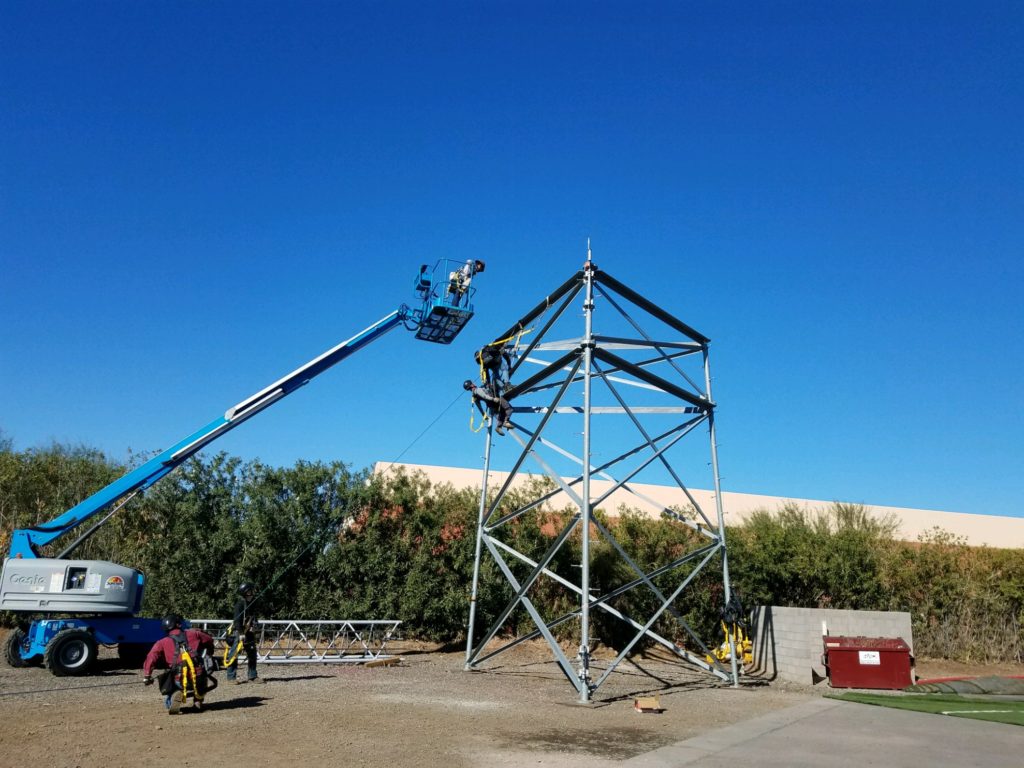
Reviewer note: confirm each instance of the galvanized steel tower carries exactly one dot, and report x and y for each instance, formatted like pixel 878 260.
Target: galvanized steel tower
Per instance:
pixel 647 379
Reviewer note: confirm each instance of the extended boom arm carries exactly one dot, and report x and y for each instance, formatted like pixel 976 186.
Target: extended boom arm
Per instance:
pixel 445 294
pixel 24 542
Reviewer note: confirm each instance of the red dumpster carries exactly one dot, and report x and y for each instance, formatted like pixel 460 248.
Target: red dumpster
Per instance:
pixel 867 662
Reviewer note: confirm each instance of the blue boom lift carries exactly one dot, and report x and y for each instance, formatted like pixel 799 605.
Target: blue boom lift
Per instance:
pixel 84 603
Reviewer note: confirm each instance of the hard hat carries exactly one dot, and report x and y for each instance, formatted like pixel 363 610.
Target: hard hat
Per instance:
pixel 170 621
pixel 478 266
pixel 467 384
pixel 245 587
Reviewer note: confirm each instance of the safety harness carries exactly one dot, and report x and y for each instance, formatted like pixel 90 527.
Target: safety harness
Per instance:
pixel 231 652
pixel 185 667
pixel 486 354
pixel 736 631
pixel 481 355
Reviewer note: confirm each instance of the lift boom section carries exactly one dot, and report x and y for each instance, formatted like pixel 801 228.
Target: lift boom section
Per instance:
pixel 110 593
pixel 25 542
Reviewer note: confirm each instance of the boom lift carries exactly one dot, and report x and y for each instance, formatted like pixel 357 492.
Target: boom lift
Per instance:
pixel 98 601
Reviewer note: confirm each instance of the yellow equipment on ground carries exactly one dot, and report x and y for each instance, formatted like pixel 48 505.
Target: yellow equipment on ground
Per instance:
pixel 743 645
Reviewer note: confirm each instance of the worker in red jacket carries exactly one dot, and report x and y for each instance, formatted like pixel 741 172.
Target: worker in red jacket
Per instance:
pixel 187 656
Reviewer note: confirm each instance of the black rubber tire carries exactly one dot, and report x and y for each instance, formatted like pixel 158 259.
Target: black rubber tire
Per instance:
pixel 12 649
pixel 12 654
pixel 71 653
pixel 132 655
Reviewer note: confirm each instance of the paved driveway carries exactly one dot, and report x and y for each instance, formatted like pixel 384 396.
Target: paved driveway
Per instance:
pixel 831 734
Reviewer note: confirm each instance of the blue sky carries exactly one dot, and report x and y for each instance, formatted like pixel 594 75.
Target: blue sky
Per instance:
pixel 196 198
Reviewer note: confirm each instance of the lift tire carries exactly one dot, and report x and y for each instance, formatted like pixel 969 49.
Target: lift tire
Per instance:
pixel 71 653
pixel 12 650
pixel 132 655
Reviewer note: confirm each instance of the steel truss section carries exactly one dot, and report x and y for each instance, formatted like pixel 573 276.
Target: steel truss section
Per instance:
pixel 663 388
pixel 312 642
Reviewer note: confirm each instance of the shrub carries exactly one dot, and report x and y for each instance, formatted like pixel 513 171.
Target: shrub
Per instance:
pixel 327 542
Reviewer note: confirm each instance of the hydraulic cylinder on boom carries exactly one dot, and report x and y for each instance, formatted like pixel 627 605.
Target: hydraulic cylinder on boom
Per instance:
pixel 82 603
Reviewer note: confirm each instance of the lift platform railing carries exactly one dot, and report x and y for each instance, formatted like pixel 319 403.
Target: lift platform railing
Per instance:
pixel 331 641
pixel 446 295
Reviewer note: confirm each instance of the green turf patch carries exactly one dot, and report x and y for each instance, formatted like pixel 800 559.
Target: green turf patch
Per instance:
pixel 1010 712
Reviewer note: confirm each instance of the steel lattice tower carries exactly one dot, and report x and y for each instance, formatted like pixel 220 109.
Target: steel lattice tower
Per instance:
pixel 644 380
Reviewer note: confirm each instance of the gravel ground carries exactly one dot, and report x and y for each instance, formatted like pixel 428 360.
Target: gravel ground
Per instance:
pixel 424 711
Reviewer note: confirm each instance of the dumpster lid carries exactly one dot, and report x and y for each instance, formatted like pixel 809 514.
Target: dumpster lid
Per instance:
pixel 866 643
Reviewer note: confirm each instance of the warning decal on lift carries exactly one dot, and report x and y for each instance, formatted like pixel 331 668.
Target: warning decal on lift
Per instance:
pixel 114 582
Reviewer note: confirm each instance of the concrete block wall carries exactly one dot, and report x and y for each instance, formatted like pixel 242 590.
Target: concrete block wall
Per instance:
pixel 788 644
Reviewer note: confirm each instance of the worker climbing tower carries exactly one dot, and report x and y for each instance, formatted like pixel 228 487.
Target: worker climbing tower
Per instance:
pixel 597 414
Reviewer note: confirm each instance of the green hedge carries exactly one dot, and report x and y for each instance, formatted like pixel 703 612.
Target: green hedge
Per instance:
pixel 328 542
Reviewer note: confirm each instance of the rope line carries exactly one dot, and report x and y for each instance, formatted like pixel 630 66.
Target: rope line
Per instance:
pixel 421 434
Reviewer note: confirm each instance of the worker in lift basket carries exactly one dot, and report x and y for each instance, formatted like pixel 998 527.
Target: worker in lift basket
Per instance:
pixel 459 280
pixel 187 656
pixel 496 404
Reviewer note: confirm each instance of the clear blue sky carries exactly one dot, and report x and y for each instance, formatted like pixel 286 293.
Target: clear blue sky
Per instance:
pixel 195 198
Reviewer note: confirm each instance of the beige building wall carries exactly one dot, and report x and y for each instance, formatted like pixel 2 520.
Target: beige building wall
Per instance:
pixel 978 530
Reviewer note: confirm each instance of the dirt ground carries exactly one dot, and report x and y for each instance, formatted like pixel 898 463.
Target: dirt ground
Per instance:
pixel 424 711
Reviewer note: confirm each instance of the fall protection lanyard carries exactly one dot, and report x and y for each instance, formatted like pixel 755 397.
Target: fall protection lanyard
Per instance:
pixel 231 653
pixel 483 422
pixel 517 335
pixel 188 669
pixel 500 342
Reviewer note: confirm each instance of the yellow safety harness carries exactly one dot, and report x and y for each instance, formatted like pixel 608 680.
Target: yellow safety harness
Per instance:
pixel 500 343
pixel 483 378
pixel 188 669
pixel 231 654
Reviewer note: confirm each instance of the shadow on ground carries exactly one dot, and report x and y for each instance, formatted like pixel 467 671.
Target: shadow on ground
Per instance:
pixel 242 702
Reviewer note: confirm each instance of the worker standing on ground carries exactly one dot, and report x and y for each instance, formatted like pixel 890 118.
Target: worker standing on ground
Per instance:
pixel 496 404
pixel 242 636
pixel 183 654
